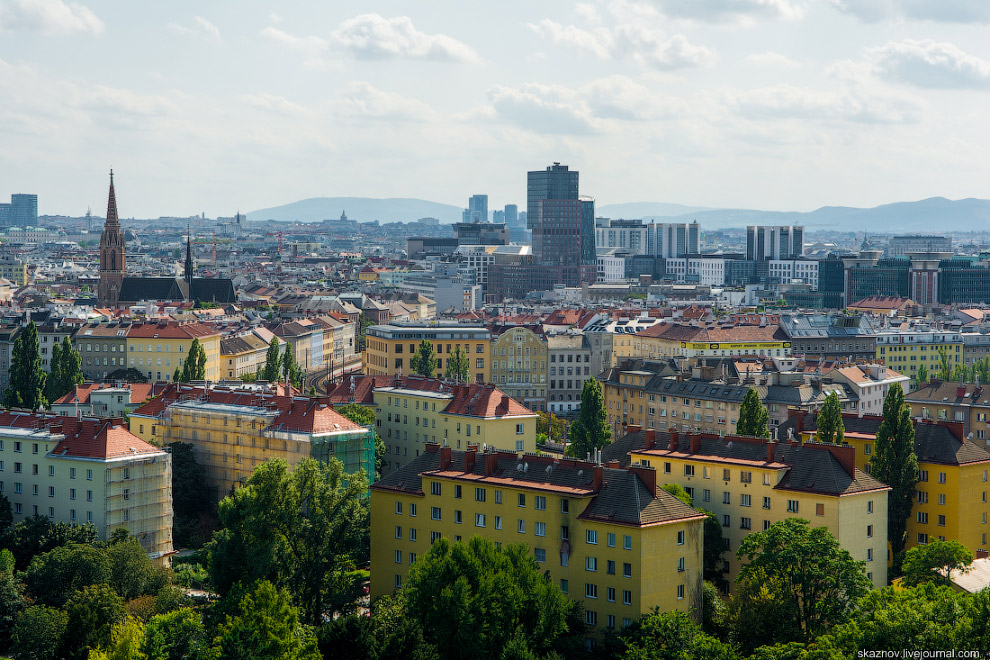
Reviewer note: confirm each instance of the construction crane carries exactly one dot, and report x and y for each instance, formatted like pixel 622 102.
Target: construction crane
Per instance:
pixel 279 234
pixel 212 242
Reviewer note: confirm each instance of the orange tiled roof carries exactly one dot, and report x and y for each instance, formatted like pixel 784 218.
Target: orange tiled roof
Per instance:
pixel 84 438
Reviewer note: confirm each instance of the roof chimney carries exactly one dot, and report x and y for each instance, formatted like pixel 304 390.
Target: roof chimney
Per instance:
pixel 799 421
pixel 960 391
pixel 613 464
pixel 431 447
pixel 846 455
pixel 648 475
pixel 597 478
pixel 633 428
pixel 445 458
pixel 982 554
pixel 470 456
pixel 695 442
pixel 505 402
pixel 673 440
pixel 651 439
pixel 771 451
pixel 491 463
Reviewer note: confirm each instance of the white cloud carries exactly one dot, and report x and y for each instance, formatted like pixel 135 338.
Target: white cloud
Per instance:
pixel 372 36
pixel 588 12
pixel 929 64
pixel 309 45
pixel 853 105
pixel 49 17
pixel 272 103
pixel 200 28
pixel 773 60
pixel 944 11
pixel 274 18
pixel 362 100
pixel 732 10
pixel 649 47
pixel 558 109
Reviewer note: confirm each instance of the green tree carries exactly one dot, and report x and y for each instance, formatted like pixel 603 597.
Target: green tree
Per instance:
pixel 677 491
pixel 126 639
pixel 27 378
pixel 921 379
pixel 820 579
pixel 712 548
pixel 93 612
pixel 365 416
pixel 671 636
pixel 38 633
pixel 753 416
pixel 315 522
pixel 363 322
pixel 273 363
pixel 65 372
pixel 194 365
pixel 424 361
pixel 981 370
pixel 38 534
pixel 761 613
pixel 388 633
pixel 192 501
pixel 54 576
pixel 291 373
pixel 831 428
pixel 931 562
pixel 130 375
pixel 11 600
pixel 894 463
pixel 458 367
pixel 472 598
pixel 132 573
pixel 590 431
pixel 550 425
pixel 173 636
pixel 944 364
pixel 6 522
pixel 266 626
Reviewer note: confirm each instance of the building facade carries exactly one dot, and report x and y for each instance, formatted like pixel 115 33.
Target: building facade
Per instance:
pixel 519 364
pixel 390 348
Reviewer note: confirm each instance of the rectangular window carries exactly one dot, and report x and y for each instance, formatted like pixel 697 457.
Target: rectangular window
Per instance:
pixel 435 536
pixel 610 567
pixel 706 495
pixel 435 513
pixel 458 518
pixel 479 494
pixel 869 531
pixel 591 536
pixel 540 554
pixel 726 475
pixel 627 542
pixel 591 618
pixel 457 491
pixel 565 506
pixel 766 502
pixel 412 509
pixel 792 506
pixel 591 564
pixel 726 498
pixel 412 534
pixel 479 520
pixel 563 585
pixel 726 520
pixel 680 537
pixel 498 497
pixel 435 488
pixel 819 509
pixel 498 522
pixel 540 503
pixel 746 477
pixel 522 499
pixel 941 477
pixel 398 508
pixel 540 529
pixel 398 556
pixel 680 592
pixel 590 590
pixel 626 597
pixel 745 500
pixel 611 539
pixel 680 564
pixel 745 523
pixel 627 570
pixel 521 528
pixel 869 554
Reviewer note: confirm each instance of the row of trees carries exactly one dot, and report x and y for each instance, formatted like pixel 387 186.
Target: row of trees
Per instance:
pixel 280 365
pixel 958 373
pixel 30 386
pixel 424 363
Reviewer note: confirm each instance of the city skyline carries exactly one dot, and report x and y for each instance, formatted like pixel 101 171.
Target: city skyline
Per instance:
pixel 768 104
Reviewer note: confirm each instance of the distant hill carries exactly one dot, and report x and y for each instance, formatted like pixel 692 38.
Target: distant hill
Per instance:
pixel 646 209
pixel 925 216
pixel 362 209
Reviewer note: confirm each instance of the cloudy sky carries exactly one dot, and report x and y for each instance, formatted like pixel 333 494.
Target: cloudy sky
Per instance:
pixel 770 104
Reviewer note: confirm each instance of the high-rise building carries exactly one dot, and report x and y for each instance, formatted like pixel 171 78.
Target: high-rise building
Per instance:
pixel 563 223
pixel 23 210
pixel 511 215
pixel 477 210
pixel 556 182
pixel 767 243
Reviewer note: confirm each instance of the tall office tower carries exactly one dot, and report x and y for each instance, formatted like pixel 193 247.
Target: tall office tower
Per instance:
pixel 24 210
pixel 4 215
pixel 671 240
pixel 477 210
pixel 511 215
pixel 556 183
pixel 766 243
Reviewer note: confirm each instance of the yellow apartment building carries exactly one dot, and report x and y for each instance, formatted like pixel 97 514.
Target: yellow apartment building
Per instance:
pixel 233 431
pixel 906 347
pixel 87 470
pixel 519 364
pixel 751 483
pixel 156 349
pixel 609 537
pixel 951 402
pixel 413 411
pixel 389 348
pixel 951 502
pixel 705 340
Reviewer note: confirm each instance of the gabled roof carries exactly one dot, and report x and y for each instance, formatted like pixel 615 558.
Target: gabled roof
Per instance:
pixel 84 438
pixel 82 393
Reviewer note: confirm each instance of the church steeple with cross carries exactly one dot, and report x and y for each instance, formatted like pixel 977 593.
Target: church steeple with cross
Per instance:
pixel 112 249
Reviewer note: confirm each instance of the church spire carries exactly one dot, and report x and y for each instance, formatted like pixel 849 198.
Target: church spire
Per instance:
pixel 189 259
pixel 112 205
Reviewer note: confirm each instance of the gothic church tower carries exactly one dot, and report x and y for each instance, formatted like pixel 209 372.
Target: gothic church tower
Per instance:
pixel 111 255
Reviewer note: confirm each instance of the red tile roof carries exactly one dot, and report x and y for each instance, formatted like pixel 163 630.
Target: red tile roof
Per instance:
pixel 84 438
pixel 485 401
pixel 81 393
pixel 171 330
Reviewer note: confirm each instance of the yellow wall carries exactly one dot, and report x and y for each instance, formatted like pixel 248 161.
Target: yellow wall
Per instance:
pixel 652 555
pixel 906 358
pixel 519 366
pixel 381 355
pixel 407 419
pixel 626 402
pixel 157 358
pixel 846 516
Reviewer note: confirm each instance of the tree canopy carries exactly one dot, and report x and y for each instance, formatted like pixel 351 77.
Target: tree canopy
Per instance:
pixel 27 378
pixel 194 364
pixel 65 371
pixel 590 431
pixel 273 363
pixel 753 416
pixel 933 561
pixel 458 367
pixel 895 463
pixel 424 361
pixel 831 428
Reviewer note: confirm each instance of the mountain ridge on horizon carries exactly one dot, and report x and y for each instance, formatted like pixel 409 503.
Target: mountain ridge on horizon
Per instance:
pixel 897 217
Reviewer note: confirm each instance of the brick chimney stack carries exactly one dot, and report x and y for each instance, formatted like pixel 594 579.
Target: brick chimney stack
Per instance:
pixel 651 439
pixel 470 456
pixel 771 451
pixel 597 478
pixel 673 441
pixel 445 458
pixel 695 442
pixel 648 475
pixel 491 463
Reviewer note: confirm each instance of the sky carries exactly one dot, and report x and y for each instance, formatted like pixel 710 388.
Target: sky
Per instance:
pixel 216 107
